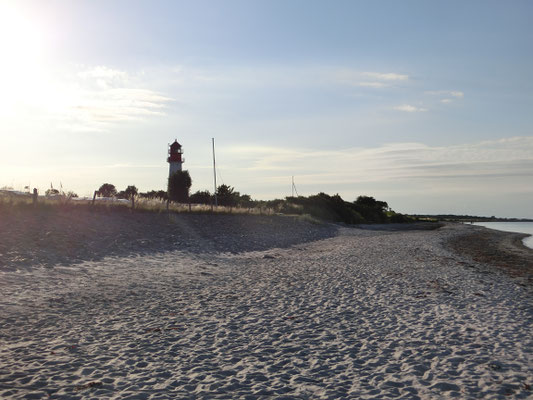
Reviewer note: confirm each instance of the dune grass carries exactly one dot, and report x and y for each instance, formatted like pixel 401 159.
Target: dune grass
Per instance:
pixel 20 202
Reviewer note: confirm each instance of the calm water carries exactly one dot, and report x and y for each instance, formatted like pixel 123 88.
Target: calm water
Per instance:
pixel 523 227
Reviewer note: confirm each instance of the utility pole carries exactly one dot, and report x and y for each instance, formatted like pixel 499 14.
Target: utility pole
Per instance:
pixel 214 172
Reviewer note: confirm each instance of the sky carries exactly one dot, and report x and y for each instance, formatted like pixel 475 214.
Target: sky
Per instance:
pixel 425 105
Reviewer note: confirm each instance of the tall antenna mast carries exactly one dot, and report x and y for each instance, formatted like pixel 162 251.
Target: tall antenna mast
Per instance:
pixel 214 172
pixel 294 187
pixel 292 193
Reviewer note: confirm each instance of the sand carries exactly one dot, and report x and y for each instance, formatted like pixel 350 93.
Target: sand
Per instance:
pixel 269 307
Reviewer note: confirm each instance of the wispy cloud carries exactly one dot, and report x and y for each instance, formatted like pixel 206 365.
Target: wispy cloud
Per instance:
pixel 108 95
pixel 119 104
pixel 447 96
pixel 410 162
pixel 409 108
pixel 371 84
pixel 90 98
pixel 369 79
pixel 450 93
pixel 391 76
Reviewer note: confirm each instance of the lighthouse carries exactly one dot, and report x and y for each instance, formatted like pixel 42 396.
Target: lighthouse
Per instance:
pixel 175 158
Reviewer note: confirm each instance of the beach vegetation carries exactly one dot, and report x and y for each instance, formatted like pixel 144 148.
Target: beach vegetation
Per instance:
pixel 319 207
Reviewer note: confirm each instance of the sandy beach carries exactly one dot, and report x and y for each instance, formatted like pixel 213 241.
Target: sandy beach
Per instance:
pixel 123 305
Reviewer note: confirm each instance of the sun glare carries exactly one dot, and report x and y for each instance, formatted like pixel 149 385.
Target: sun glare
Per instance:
pixel 22 47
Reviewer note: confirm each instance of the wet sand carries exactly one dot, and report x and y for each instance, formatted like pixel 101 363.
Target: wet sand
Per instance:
pixel 498 250
pixel 119 305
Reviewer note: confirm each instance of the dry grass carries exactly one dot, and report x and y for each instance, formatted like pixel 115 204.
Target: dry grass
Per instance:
pixel 143 205
pixel 156 205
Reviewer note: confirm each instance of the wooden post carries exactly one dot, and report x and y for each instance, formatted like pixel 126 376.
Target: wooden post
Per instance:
pixel 35 195
pixel 94 196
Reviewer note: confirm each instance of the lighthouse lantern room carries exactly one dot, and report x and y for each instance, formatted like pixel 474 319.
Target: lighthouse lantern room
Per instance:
pixel 175 158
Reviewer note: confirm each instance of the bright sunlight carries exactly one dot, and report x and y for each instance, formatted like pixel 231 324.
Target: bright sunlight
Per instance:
pixel 23 72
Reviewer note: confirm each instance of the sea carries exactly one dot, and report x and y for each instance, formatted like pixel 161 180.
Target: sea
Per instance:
pixel 522 227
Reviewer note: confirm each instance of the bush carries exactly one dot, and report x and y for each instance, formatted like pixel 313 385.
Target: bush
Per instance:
pixel 201 197
pixel 371 209
pixel 398 218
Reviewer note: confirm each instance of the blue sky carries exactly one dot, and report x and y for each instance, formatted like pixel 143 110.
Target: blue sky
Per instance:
pixel 422 104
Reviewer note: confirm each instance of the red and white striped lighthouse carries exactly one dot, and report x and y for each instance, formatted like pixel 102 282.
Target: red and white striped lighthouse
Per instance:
pixel 175 158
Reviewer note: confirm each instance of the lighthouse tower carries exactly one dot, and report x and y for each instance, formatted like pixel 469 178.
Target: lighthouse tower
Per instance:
pixel 175 159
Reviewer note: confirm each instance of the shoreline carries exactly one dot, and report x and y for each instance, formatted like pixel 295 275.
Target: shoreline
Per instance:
pixel 514 227
pixel 496 249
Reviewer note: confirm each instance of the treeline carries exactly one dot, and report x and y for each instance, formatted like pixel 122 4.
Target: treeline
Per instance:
pixel 364 209
pixel 226 196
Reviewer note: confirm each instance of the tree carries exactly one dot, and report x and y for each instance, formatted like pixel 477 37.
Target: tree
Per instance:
pixel 245 200
pixel 131 191
pixel 153 194
pixel 179 184
pixel 162 194
pixel 107 190
pixel 201 197
pixel 227 196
